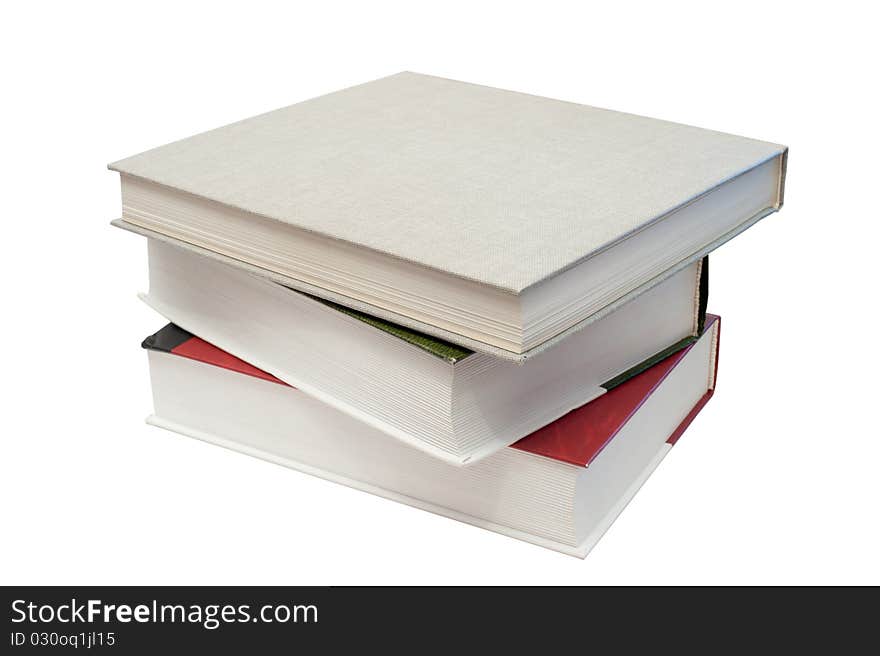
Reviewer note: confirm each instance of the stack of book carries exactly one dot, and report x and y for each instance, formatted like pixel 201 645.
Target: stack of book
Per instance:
pixel 482 303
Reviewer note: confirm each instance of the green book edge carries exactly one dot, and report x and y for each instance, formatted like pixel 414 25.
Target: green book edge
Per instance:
pixel 442 349
pixel 647 364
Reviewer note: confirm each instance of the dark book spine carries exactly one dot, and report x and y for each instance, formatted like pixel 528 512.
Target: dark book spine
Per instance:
pixel 704 295
pixel 167 339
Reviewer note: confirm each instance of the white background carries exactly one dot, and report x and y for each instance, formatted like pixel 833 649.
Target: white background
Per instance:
pixel 775 482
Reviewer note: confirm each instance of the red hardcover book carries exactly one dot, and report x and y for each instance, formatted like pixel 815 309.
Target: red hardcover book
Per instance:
pixel 560 487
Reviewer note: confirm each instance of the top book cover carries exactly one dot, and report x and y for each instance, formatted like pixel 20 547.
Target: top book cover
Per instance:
pixel 495 219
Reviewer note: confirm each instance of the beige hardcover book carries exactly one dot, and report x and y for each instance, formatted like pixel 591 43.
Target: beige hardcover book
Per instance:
pixel 496 220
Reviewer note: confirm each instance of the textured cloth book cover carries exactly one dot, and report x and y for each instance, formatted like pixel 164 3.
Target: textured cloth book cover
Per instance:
pixel 502 188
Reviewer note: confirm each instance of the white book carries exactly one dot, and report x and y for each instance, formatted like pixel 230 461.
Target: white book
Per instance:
pixel 492 219
pixel 561 487
pixel 454 404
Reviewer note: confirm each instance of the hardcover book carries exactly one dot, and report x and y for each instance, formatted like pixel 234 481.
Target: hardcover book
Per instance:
pixel 498 221
pixel 561 487
pixel 437 396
